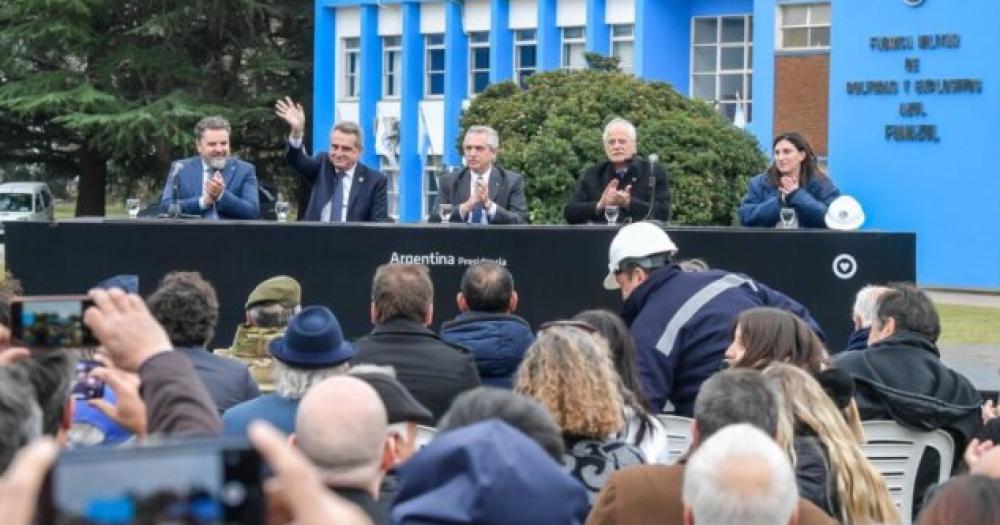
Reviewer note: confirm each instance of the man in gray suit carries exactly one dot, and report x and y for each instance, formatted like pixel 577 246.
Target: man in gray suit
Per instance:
pixel 484 193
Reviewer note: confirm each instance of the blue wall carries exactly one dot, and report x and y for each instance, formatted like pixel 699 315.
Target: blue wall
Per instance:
pixel 945 191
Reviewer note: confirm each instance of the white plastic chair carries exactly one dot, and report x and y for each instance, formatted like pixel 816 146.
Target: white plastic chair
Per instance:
pixel 424 436
pixel 895 451
pixel 678 434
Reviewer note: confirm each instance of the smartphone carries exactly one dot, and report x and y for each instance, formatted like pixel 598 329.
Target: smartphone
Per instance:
pixel 51 321
pixel 86 386
pixel 196 482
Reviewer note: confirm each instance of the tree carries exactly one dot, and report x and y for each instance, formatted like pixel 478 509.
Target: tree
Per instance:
pixel 111 89
pixel 552 130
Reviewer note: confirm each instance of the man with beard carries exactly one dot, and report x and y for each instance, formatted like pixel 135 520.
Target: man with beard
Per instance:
pixel 212 185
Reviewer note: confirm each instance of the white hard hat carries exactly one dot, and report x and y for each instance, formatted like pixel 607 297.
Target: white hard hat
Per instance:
pixel 844 213
pixel 637 240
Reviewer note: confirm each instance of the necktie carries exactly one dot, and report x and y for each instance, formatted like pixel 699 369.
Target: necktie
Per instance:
pixel 477 212
pixel 337 204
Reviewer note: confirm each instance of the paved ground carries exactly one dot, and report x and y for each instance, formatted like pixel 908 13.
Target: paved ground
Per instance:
pixel 980 363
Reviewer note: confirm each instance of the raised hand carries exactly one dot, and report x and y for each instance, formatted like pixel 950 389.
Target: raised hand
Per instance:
pixel 125 328
pixel 292 113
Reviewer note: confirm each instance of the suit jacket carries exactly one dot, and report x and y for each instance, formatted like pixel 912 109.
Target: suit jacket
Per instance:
pixel 369 194
pixel 651 495
pixel 434 371
pixel 582 206
pixel 506 190
pixel 239 198
pixel 228 381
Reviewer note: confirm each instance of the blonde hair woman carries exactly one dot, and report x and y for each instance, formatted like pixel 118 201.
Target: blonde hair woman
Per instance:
pixel 808 420
pixel 569 371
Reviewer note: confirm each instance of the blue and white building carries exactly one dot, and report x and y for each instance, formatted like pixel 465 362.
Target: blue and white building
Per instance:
pixel 891 92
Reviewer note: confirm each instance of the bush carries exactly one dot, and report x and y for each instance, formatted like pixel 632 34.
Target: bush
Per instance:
pixel 552 130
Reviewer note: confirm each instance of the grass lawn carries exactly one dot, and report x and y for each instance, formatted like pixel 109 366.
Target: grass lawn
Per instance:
pixel 67 209
pixel 969 324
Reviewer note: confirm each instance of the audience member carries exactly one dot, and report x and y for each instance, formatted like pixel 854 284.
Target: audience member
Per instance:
pixel 969 500
pixel 483 192
pixel 51 375
pixel 652 494
pixel 402 308
pixel 486 324
pixel 863 315
pixel 312 349
pixel 794 181
pixel 642 429
pixel 765 335
pixel 22 481
pixel 484 474
pixel 519 411
pixel 20 415
pixel 187 307
pixel 267 312
pixel 682 321
pixel 624 181
pixel 830 467
pixel 739 475
pixel 341 427
pixel 570 373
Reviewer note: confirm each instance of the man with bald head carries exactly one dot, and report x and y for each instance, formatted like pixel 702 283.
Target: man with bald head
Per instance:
pixel 341 426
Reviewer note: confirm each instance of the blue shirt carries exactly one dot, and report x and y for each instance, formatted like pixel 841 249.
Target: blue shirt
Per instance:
pixel 276 410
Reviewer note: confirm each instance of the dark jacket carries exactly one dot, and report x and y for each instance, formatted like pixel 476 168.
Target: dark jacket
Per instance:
pixel 813 476
pixel 582 207
pixel 761 205
pixel 506 190
pixel 434 371
pixel 858 339
pixel 485 474
pixel 902 378
pixel 369 195
pixel 177 402
pixel 497 342
pixel 375 512
pixel 228 380
pixel 679 348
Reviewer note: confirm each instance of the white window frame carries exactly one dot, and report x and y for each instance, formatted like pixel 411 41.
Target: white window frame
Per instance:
pixel 478 40
pixel 746 71
pixel 433 169
pixel 809 26
pixel 569 44
pixel 623 39
pixel 352 68
pixel 392 55
pixel 392 186
pixel 431 45
pixel 521 73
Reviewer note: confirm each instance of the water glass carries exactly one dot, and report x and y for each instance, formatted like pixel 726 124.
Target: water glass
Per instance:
pixel 444 210
pixel 788 218
pixel 611 214
pixel 132 205
pixel 281 210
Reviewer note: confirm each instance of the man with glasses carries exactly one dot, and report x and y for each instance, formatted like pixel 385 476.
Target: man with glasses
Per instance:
pixel 484 193
pixel 623 188
pixel 343 189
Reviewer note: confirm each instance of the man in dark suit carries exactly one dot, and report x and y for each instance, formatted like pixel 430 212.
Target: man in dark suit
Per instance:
pixel 434 371
pixel 484 193
pixel 343 189
pixel 212 185
pixel 625 183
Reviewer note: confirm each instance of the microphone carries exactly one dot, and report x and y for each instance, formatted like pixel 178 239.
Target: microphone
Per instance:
pixel 653 159
pixel 174 211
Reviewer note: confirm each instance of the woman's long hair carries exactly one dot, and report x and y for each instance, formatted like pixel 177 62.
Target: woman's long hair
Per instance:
pixel 569 372
pixel 810 166
pixel 773 335
pixel 861 491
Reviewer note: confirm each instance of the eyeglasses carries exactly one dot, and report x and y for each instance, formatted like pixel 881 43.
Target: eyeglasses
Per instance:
pixel 579 325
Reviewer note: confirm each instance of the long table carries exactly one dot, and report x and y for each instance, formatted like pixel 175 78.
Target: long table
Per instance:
pixel 557 269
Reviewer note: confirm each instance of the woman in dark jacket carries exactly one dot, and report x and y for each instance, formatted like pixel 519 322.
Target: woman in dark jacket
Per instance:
pixel 794 181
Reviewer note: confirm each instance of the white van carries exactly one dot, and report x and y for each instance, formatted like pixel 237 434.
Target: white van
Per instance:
pixel 25 201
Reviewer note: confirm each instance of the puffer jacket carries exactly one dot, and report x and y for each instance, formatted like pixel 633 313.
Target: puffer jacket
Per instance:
pixel 497 342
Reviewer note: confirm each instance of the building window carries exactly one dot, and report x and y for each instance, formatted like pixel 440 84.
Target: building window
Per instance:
pixel 352 63
pixel 721 62
pixel 434 62
pixel 433 168
pixel 574 45
pixel 479 61
pixel 804 26
pixel 391 172
pixel 392 57
pixel 525 55
pixel 623 45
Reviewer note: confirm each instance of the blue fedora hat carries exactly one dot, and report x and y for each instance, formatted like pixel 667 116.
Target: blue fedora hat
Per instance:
pixel 313 339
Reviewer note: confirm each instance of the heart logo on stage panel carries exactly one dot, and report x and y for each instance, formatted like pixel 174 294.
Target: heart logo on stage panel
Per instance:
pixel 845 266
